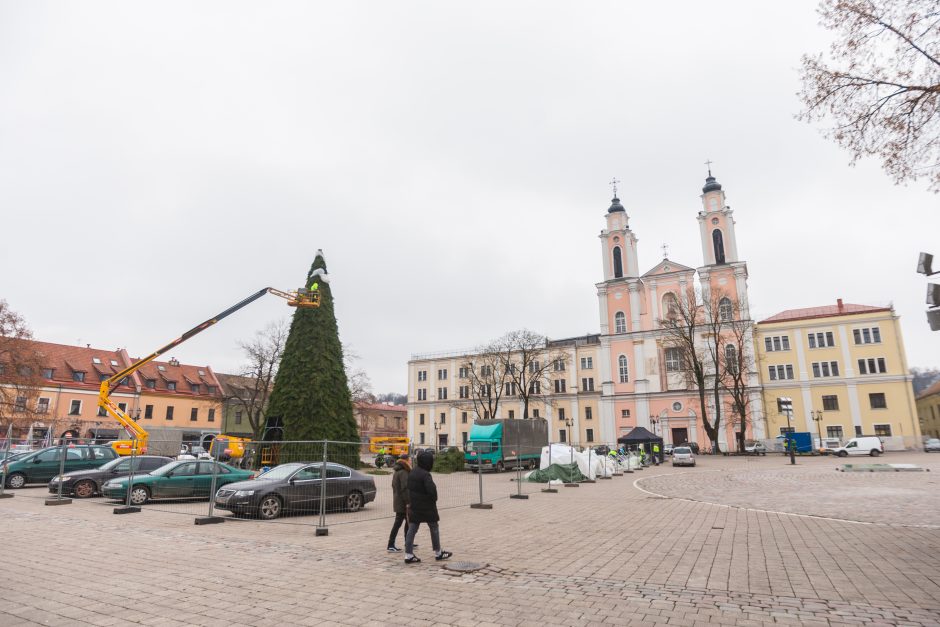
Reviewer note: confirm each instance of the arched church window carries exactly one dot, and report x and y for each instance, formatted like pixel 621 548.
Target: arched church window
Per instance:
pixel 731 358
pixel 618 263
pixel 620 322
pixel 624 368
pixel 725 310
pixel 670 306
pixel 719 242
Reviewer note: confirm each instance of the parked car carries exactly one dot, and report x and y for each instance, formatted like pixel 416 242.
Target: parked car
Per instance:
pixel 175 480
pixel 683 456
pixel 932 445
pixel 667 449
pixel 754 447
pixel 297 487
pixel 40 466
pixel 87 483
pixel 193 452
pixel 865 445
pixel 691 445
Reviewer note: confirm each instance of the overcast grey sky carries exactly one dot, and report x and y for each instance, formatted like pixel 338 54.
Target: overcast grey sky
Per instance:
pixel 159 161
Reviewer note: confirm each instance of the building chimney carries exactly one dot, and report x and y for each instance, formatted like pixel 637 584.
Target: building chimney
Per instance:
pixel 839 302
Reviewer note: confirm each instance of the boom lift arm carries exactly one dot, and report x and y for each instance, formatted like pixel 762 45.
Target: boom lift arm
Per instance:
pixel 302 298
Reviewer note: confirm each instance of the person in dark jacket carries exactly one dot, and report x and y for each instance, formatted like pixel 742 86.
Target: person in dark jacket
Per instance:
pixel 423 508
pixel 399 500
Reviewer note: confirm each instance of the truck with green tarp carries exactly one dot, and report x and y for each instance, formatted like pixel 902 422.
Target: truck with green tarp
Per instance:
pixel 500 444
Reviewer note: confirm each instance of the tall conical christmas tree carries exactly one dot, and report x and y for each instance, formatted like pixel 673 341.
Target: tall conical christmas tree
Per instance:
pixel 311 395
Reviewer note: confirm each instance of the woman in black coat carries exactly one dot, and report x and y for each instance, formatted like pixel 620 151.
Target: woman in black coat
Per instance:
pixel 422 508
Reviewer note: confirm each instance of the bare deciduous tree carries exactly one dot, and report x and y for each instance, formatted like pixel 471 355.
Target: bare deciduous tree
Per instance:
pixel 256 377
pixel 20 369
pixel 527 364
pixel 881 86
pixel 738 367
pixel 360 386
pixel 485 376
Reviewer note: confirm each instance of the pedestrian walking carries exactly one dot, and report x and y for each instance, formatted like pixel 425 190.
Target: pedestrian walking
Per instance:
pixel 422 508
pixel 400 499
pixel 656 453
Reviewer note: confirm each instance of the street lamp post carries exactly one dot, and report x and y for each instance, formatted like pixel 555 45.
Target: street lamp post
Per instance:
pixel 786 405
pixel 436 427
pixel 817 417
pixel 568 424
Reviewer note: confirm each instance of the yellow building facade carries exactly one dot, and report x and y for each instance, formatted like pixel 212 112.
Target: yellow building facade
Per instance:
pixel 845 369
pixel 928 411
pixel 440 411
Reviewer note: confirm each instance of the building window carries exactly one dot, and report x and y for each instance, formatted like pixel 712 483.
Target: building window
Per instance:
pixel 624 413
pixel 510 388
pixel 624 369
pixel 238 417
pixel 102 411
pixel 877 400
pixel 194 414
pixel 869 335
pixel 463 391
pixel 442 394
pixel 47 373
pixel 620 322
pixel 834 432
pixel 211 415
pixel 822 339
pixel 825 369
pixel 780 372
pixel 731 358
pixel 534 367
pixel 148 412
pixel 463 372
pixel 562 435
pixel 486 371
pixel 20 404
pixel 587 384
pixel 421 437
pixel 194 388
pixel 883 431
pixel 486 390
pixel 718 241
pixel 872 366
pixel 561 413
pixel 677 406
pixel 463 417
pixel 535 387
pixel 776 343
pixel 618 263
pixel 560 386
pixel 673 359
pixel 151 383
pixel 169 412
pixel 535 413
pixel 463 439
pixel 587 363
pixel 420 419
pixel 441 374
pixel 671 306
pixel 422 394
pixel 786 430
pixel 171 386
pixel 422 375
pixel 75 408
pixel 588 413
pixel 42 405
pixel 443 418
pixel 558 365
pixel 590 435
pixel 831 403
pixel 78 376
pixel 512 414
pixel 725 311
pixel 210 390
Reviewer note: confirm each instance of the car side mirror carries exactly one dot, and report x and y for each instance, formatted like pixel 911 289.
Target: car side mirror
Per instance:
pixel 291 481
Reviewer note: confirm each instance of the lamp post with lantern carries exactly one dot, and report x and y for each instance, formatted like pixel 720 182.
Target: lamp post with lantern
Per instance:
pixel 817 417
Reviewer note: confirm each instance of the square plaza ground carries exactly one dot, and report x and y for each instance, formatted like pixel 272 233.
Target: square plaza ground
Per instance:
pixel 734 541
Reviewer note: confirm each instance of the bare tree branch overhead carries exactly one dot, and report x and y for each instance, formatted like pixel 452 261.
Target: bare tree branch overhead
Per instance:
pixel 880 84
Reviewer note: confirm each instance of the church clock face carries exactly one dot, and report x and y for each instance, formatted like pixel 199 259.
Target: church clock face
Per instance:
pixel 715 221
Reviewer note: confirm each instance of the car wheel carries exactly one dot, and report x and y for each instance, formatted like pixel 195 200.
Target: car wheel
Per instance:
pixel 843 454
pixel 84 489
pixel 16 481
pixel 270 507
pixel 875 452
pixel 354 501
pixel 139 495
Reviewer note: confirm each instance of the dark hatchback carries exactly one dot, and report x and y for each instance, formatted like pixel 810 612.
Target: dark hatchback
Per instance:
pixel 297 487
pixel 87 483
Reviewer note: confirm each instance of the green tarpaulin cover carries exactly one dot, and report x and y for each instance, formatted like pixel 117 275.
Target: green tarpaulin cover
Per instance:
pixel 567 473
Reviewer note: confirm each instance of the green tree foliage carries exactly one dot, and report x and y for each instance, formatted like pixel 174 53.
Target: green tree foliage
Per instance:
pixel 311 394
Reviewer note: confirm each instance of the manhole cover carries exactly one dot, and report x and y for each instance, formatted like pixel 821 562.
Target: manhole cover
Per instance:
pixel 464 567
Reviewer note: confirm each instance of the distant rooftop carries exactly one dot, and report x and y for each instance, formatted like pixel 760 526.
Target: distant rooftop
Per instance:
pixel 826 311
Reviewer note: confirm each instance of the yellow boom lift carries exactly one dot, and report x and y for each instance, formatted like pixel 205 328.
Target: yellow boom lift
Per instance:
pixel 137 444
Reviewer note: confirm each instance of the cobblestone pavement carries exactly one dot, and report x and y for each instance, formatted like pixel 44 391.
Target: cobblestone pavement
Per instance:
pixel 604 553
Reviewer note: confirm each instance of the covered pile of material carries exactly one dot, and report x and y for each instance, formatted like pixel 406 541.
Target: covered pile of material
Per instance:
pixel 566 473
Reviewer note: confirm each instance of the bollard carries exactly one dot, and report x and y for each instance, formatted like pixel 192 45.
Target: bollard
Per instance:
pixel 322 529
pixel 58 500
pixel 3 466
pixel 212 519
pixel 127 508
pixel 549 489
pixel 518 494
pixel 481 504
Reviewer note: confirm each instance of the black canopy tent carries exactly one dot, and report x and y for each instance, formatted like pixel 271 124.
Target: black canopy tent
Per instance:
pixel 643 438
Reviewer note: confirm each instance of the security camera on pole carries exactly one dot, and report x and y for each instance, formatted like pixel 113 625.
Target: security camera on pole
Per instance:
pixel 925 267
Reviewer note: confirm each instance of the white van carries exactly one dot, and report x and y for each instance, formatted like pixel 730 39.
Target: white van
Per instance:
pixel 868 445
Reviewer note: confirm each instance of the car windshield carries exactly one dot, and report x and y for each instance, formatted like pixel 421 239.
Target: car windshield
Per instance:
pixel 682 450
pixel 933 441
pixel 281 472
pixel 480 447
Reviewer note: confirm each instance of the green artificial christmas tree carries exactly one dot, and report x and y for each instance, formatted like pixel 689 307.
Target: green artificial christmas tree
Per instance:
pixel 311 395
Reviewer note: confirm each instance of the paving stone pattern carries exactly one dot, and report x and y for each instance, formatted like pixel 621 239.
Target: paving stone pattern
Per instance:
pixel 605 553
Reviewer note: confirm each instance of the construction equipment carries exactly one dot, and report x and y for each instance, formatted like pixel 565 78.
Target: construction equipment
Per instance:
pixel 137 444
pixel 389 445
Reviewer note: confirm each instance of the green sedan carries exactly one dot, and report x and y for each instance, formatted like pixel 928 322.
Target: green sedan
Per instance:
pixel 177 480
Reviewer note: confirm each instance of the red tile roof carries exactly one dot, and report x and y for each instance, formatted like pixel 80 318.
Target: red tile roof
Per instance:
pixel 362 406
pixel 65 360
pixel 184 375
pixel 933 389
pixel 826 311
